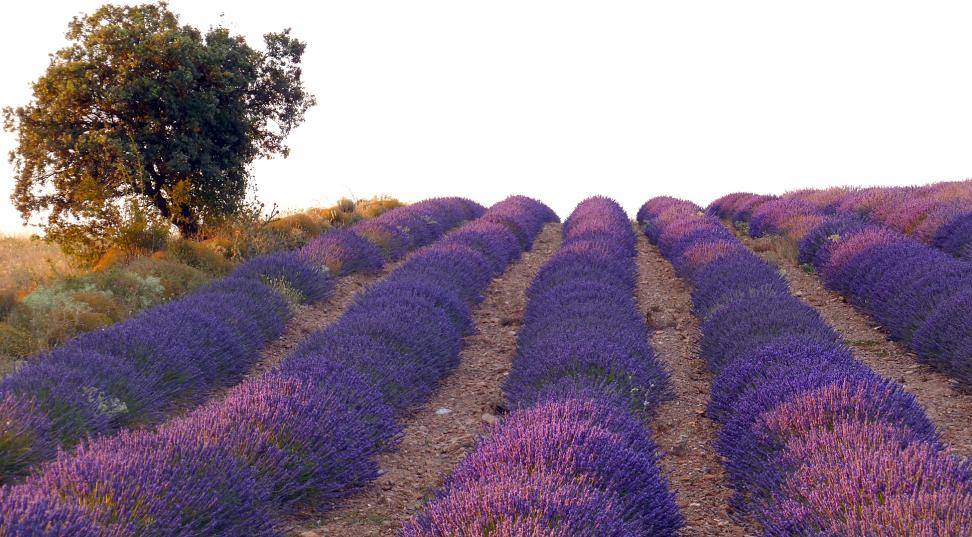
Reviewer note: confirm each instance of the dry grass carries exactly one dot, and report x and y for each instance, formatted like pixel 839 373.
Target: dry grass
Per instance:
pixel 46 298
pixel 26 263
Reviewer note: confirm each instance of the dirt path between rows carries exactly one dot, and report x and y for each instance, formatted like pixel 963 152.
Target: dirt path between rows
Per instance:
pixel 310 318
pixel 307 318
pixel 439 433
pixel 949 408
pixel 683 433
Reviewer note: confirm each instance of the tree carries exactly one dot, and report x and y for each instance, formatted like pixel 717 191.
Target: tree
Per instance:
pixel 141 112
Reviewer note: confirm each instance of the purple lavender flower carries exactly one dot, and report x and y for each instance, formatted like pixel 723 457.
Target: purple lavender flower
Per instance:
pixel 290 272
pixel 342 252
pixel 814 442
pixel 578 440
pixel 26 435
pixel 30 511
pixel 310 434
pixel 165 483
pixel 574 459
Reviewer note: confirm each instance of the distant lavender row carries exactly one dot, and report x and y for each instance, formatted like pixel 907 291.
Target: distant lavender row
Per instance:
pixel 389 236
pixel 574 457
pixel 173 356
pixel 939 214
pixel 814 442
pixel 305 432
pixel 922 296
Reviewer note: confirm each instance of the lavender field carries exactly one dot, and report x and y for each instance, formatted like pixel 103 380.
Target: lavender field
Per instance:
pixel 795 365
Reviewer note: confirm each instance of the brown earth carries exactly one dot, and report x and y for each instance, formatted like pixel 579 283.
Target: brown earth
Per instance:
pixel 948 407
pixel 683 433
pixel 306 319
pixel 310 318
pixel 433 440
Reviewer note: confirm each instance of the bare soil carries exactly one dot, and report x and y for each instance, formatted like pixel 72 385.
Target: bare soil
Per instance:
pixel 683 433
pixel 307 318
pixel 947 406
pixel 440 433
pixel 310 318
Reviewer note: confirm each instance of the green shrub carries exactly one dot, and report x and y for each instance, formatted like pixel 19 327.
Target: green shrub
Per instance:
pixel 177 278
pixel 54 313
pixel 129 287
pixel 294 297
pixel 142 232
pixel 48 314
pixel 64 302
pixel 45 299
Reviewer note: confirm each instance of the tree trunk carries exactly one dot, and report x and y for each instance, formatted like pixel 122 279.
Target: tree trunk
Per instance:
pixel 186 221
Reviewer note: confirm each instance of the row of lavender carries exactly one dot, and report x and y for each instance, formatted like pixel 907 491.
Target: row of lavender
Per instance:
pixel 574 457
pixel 388 237
pixel 173 356
pixel 814 442
pixel 307 431
pixel 939 214
pixel 922 296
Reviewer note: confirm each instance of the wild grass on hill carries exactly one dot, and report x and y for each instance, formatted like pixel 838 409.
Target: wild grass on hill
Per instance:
pixel 46 298
pixel 25 261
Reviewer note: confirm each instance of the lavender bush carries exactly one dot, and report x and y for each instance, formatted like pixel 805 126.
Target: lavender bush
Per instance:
pixel 814 442
pixel 343 252
pixel 307 431
pixel 909 287
pixel 574 458
pixel 174 355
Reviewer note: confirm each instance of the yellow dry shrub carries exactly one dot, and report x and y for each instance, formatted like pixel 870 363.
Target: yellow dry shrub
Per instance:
pixel 221 245
pixel 103 303
pixel 202 256
pixel 62 325
pixel 14 342
pixel 91 320
pixel 345 205
pixel 115 256
pixel 328 216
pixel 380 238
pixel 300 224
pixel 291 231
pixel 343 219
pixel 373 207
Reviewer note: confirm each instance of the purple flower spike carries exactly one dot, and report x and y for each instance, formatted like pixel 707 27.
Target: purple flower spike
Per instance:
pixel 311 435
pixel 26 435
pixel 572 441
pixel 169 483
pixel 30 511
pixel 523 504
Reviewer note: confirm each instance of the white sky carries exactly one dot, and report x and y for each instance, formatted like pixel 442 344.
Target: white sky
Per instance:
pixel 562 99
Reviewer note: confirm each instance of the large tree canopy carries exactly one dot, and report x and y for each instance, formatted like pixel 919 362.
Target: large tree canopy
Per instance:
pixel 140 112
